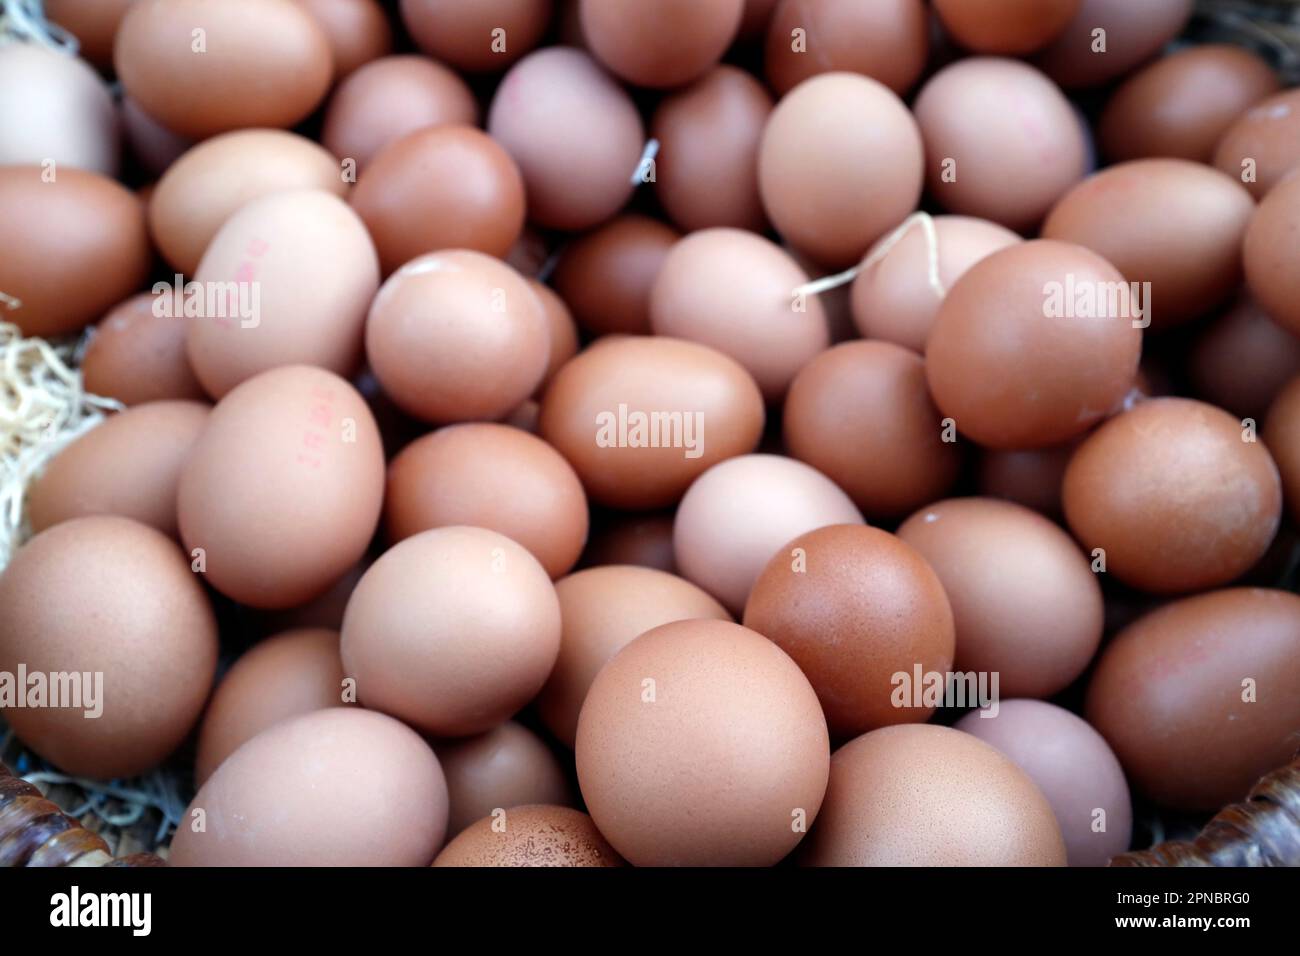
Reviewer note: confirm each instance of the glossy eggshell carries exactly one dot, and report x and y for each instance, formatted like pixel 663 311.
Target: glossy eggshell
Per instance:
pixel 508 766
pixel 649 374
pixel 452 631
pixel 1176 224
pixel 740 513
pixel 1201 698
pixel 893 298
pixel 261 63
pixel 706 171
pixel 917 795
pixel 602 610
pixel 357 31
pixel 663 44
pixel 605 276
pixel 136 356
pixel 717 764
pixel 365 791
pixel 1133 32
pixel 1262 147
pixel 283 489
pixel 1174 495
pixel 1242 361
pixel 1001 141
pixel 1026 603
pixel 462 33
pixel 887 41
pixel 309 260
pixel 1005 26
pixel 1272 254
pixel 208 184
pixel 108 595
pixel 1182 104
pixel 457 335
pixel 489 476
pixel 530 836
pixel 861 414
pixel 93 22
pixel 55 109
pixel 285 675
pixel 1073 766
pixel 840 163
pixel 575 134
pixel 1282 436
pixel 82 225
pixel 734 290
pixel 1013 377
pixel 855 606
pixel 390 98
pixel 130 466
pixel 445 187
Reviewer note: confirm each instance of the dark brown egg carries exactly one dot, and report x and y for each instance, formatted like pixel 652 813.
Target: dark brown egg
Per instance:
pixel 1182 104
pixel 1243 360
pixel 530 836
pixel 661 44
pixel 136 356
pixel 357 30
pixel 93 22
pixel 1263 145
pixel 1026 603
pixel 644 540
pixel 1030 478
pixel 1028 351
pixel 1282 435
pixel 861 414
pixel 605 276
pixel 483 36
pixel 1272 254
pixel 1179 496
pixel 1201 698
pixel 702 744
pixel 1132 32
pixel 855 607
pixel 1005 26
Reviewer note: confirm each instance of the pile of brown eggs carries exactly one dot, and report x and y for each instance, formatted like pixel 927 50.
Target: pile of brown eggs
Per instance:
pixel 690 432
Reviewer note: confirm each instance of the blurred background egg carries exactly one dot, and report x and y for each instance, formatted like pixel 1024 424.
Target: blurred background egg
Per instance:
pixel 605 276
pixel 1005 26
pixel 1263 145
pixel 357 31
pixel 1131 32
pixel 662 44
pixel 465 34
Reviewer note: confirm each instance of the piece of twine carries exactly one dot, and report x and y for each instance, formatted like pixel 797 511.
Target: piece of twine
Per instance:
pixel 882 249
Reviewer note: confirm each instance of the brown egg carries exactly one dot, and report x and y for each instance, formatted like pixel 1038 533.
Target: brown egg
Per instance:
pixel 917 795
pixel 153 145
pixel 840 163
pixel 1263 145
pixel 603 609
pixel 1272 255
pixel 663 44
pixel 93 22
pixel 1132 32
pixel 357 31
pixel 1027 605
pixel 483 36
pixel 1243 360
pixel 136 356
pixel 204 68
pixel 1178 495
pixel 113 602
pixel 208 184
pixel 888 41
pixel 743 511
pixel 1175 224
pixel 1005 26
pixel 855 607
pixel 299 271
pixel 489 476
pixel 1001 141
pixel 1073 766
pixel 1030 348
pixel 605 276
pixel 508 766
pixel 55 111
pixel 707 164
pixel 443 187
pixel 861 414
pixel 753 22
pixel 893 298
pixel 283 676
pixel 390 98
pixel 1201 697
pixel 702 744
pixel 564 331
pixel 364 791
pixel 130 466
pixel 735 291
pixel 575 134
pixel 1182 104
pixel 643 540
pixel 1030 478
pixel 457 335
pixel 282 491
pixel 531 836
pixel 452 631
pixel 79 224
pixel 608 405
